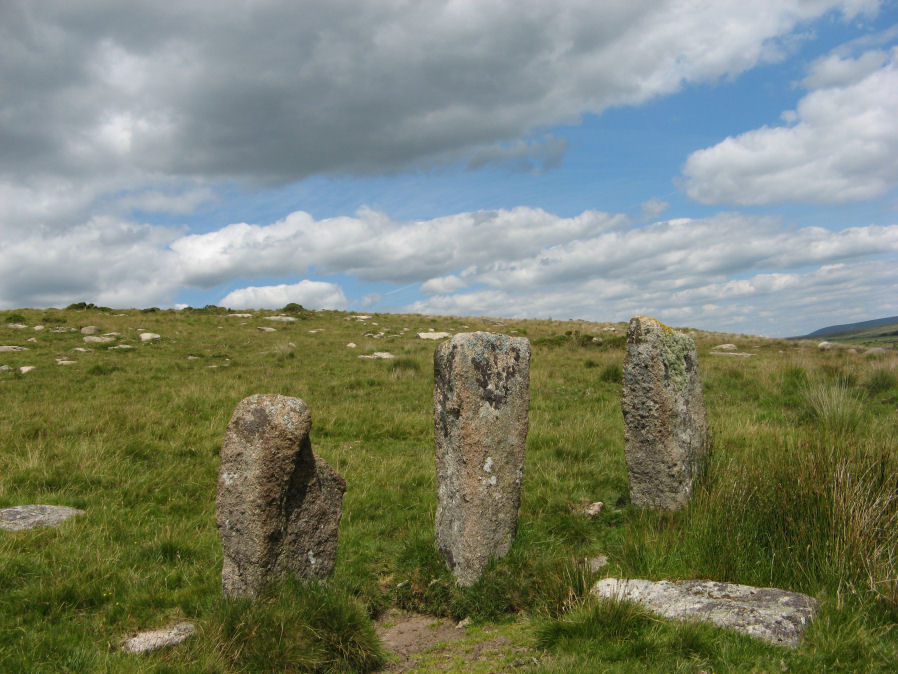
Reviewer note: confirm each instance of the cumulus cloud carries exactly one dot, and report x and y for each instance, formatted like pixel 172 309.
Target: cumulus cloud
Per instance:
pixel 840 145
pixel 310 294
pixel 280 90
pixel 522 156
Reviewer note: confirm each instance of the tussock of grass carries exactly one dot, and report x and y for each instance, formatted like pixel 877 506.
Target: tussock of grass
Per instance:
pixel 835 406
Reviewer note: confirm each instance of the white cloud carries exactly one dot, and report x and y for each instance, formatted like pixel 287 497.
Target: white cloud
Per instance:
pixel 324 87
pixel 653 207
pixel 310 294
pixel 841 144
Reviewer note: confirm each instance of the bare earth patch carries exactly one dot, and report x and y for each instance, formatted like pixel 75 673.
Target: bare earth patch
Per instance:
pixel 421 643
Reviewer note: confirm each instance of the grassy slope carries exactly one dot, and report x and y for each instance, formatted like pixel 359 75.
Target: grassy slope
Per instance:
pixel 878 335
pixel 799 494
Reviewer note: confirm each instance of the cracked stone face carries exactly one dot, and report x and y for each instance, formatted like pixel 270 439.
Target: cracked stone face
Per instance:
pixel 481 406
pixel 278 505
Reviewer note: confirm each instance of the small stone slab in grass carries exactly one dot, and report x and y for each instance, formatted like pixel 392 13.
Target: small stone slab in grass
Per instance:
pixel 4 349
pixel 433 335
pixel 737 354
pixel 22 517
pixel 156 639
pixel 98 339
pixel 776 616
pixel 386 355
pixel 149 336
pixel 282 319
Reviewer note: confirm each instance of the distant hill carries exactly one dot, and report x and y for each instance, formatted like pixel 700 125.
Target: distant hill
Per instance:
pixel 881 331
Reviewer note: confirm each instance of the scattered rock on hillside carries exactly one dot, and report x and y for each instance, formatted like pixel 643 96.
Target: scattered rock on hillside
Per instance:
pixel 22 517
pixel 666 437
pixel 738 354
pixel 121 347
pixel 155 639
pixel 5 368
pixel 876 351
pixel 16 326
pixel 96 339
pixel 62 361
pixel 240 315
pixel 25 369
pixel 149 336
pixel 378 354
pixel 597 563
pixel 62 328
pixel 361 318
pixel 38 328
pixel 13 348
pixel 725 347
pixel 282 319
pixel 351 345
pixel 264 328
pixel 776 616
pixel 594 509
pixel 433 335
pixel 481 404
pixel 278 506
pixel 81 349
pixel 825 346
pixel 90 330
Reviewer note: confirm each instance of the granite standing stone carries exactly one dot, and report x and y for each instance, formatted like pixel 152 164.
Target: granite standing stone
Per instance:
pixel 666 431
pixel 480 403
pixel 278 505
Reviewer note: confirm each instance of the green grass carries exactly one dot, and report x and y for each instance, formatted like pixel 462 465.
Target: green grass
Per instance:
pixel 800 493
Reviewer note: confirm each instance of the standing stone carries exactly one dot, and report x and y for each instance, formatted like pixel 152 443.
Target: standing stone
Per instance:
pixel 278 505
pixel 480 406
pixel 666 432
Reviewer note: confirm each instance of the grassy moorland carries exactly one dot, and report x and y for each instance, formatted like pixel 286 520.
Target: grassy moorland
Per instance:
pixel 801 493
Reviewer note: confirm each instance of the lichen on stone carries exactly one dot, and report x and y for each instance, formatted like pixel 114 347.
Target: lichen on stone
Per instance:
pixel 675 348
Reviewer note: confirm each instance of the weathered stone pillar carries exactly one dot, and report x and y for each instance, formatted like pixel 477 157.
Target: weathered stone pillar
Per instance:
pixel 666 432
pixel 278 505
pixel 481 402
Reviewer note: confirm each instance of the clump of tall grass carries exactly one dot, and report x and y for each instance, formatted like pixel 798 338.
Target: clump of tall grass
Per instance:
pixel 880 381
pixel 835 406
pixel 810 515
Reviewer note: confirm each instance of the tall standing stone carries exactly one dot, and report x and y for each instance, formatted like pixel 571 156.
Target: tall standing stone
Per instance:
pixel 666 431
pixel 481 402
pixel 278 505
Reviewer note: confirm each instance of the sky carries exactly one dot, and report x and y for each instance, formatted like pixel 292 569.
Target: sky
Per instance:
pixel 722 165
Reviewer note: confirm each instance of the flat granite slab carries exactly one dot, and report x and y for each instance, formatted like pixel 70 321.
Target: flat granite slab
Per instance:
pixel 767 613
pixel 22 517
pixel 155 639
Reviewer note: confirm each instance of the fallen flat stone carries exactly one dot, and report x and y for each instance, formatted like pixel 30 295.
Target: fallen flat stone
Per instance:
pixel 433 335
pixel 282 319
pixel 121 347
pixel 16 326
pixel 265 328
pixel 377 354
pixel 278 506
pixel 13 348
pixel 361 317
pixel 25 369
pixel 481 403
pixel 316 331
pixel 240 315
pixel 32 340
pixel 725 347
pixel 62 328
pixel 666 436
pixel 876 351
pixel 22 517
pixel 62 361
pixel 594 509
pixel 738 354
pixel 776 616
pixel 81 349
pixel 90 330
pixel 98 339
pixel 155 639
pixel 38 328
pixel 149 336
pixel 351 345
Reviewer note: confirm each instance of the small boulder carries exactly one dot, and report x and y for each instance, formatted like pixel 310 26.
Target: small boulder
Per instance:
pixel 22 517
pixel 90 330
pixel 876 351
pixel 155 639
pixel 25 369
pixel 149 336
pixel 433 335
pixel 38 328
pixel 776 616
pixel 825 346
pixel 725 347
pixel 265 328
pixel 16 326
pixel 98 339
